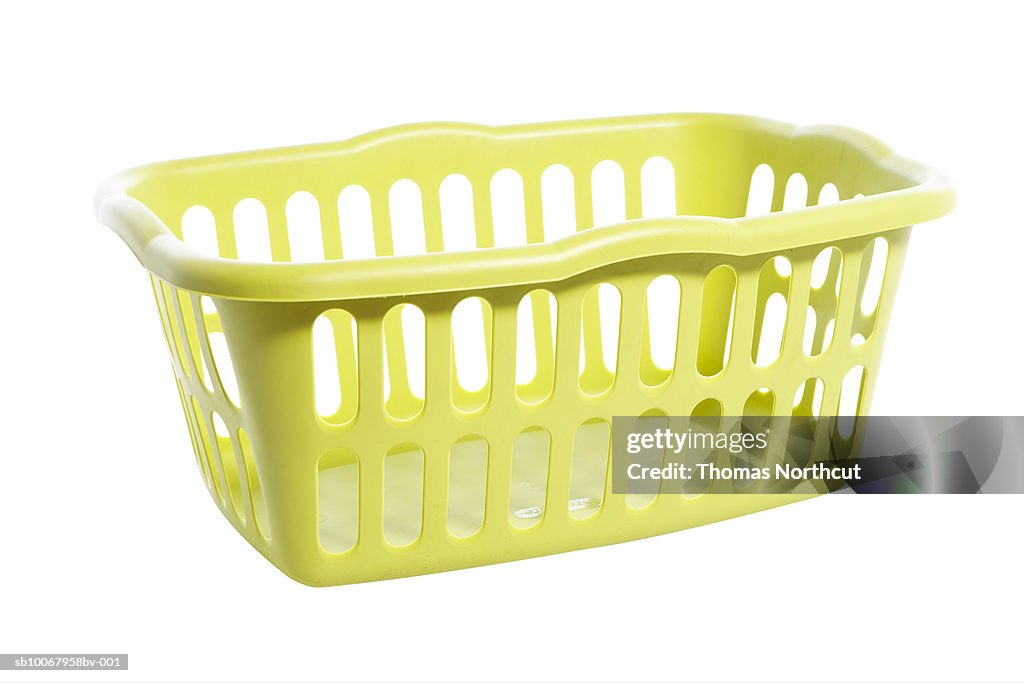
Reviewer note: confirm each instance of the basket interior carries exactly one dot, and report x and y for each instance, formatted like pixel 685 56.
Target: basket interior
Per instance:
pixel 451 190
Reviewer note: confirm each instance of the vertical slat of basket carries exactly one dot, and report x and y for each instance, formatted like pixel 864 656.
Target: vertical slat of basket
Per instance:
pixel 735 379
pixel 685 378
pixel 582 199
pixel 433 235
pixel 502 408
pixel 227 245
pixel 369 326
pixel 791 357
pixel 872 350
pixel 271 351
pixel 556 504
pixel 330 222
pixel 565 393
pixel 196 448
pixel 853 253
pixel 277 225
pixel 632 290
pixel 437 411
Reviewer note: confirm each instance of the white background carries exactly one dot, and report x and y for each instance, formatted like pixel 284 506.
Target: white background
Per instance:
pixel 109 540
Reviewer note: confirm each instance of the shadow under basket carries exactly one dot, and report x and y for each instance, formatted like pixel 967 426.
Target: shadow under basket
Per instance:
pixel 402 353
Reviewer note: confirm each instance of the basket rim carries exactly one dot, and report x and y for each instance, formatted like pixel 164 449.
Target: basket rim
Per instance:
pixel 928 196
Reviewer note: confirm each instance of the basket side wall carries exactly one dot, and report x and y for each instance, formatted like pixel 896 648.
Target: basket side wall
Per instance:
pixel 271 349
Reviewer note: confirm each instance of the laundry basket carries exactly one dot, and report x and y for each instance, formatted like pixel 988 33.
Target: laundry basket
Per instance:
pixel 401 354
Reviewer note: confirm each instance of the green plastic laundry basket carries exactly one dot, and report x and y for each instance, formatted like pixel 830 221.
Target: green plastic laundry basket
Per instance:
pixel 309 296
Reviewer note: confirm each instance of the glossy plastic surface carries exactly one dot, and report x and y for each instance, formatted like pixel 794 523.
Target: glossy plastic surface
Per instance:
pixel 412 468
